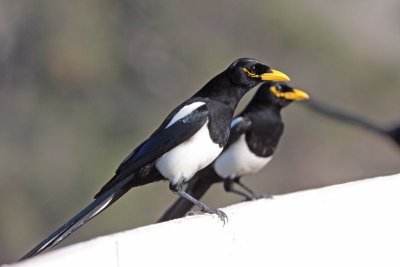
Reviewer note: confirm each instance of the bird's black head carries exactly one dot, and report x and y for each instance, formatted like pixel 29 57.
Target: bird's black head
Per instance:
pixel 247 72
pixel 242 75
pixel 279 94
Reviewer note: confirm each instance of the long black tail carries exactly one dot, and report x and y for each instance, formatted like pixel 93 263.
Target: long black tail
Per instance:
pixel 392 133
pixel 97 206
pixel 197 187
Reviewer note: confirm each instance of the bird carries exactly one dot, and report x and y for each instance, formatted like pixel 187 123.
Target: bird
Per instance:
pixel 188 140
pixel 255 133
pixel 392 132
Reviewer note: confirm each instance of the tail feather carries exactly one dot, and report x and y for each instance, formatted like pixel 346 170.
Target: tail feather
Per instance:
pixel 197 187
pixel 394 133
pixel 101 203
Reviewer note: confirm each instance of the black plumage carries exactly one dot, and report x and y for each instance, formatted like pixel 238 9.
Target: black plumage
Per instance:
pixel 201 122
pixel 255 134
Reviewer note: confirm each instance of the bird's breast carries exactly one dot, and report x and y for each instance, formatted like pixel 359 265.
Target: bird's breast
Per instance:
pixel 238 160
pixel 182 162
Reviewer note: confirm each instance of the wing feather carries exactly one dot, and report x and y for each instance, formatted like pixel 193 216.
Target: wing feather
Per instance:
pixel 158 144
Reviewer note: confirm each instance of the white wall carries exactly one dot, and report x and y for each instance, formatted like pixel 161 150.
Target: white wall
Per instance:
pixel 353 224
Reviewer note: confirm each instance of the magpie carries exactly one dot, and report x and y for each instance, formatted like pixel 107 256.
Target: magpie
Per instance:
pixel 255 134
pixel 189 139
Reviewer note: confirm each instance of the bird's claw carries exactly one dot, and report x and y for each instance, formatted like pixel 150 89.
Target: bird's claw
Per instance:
pixel 221 215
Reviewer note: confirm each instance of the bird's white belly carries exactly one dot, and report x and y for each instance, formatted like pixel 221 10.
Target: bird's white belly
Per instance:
pixel 238 160
pixel 182 162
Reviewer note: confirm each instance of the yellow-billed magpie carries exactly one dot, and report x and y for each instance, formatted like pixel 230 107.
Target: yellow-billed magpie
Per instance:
pixel 254 136
pixel 189 139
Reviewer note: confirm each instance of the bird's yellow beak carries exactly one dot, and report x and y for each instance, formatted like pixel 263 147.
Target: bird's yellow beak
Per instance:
pixel 295 95
pixel 275 76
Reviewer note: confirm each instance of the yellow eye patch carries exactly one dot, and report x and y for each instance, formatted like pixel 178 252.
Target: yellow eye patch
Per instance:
pixel 252 75
pixel 274 75
pixel 275 92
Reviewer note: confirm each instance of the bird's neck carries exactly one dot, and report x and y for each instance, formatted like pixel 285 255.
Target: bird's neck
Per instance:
pixel 222 90
pixel 263 106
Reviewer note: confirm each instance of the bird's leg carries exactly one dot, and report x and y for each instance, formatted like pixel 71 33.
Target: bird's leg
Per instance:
pixel 177 189
pixel 228 185
pixel 252 193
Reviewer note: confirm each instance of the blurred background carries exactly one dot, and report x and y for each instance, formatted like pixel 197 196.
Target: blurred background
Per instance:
pixel 83 83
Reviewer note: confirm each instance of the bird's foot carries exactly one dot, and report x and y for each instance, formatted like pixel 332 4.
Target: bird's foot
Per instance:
pixel 221 215
pixel 204 207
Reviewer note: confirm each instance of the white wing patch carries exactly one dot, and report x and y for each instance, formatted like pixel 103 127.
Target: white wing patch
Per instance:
pixel 184 111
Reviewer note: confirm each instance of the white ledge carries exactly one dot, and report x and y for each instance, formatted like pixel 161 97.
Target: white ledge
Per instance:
pixel 353 224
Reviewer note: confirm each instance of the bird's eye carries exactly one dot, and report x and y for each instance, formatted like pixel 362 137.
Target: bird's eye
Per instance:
pixel 276 90
pixel 253 69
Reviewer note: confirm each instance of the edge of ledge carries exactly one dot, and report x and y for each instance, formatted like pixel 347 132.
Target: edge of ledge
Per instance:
pixel 350 224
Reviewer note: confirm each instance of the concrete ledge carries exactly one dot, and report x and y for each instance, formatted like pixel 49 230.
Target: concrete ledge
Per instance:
pixel 353 224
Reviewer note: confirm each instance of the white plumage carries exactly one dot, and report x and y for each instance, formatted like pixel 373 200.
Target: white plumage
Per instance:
pixel 182 162
pixel 184 111
pixel 238 160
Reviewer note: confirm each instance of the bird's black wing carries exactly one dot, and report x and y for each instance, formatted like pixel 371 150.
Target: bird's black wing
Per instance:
pixel 239 127
pixel 159 143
